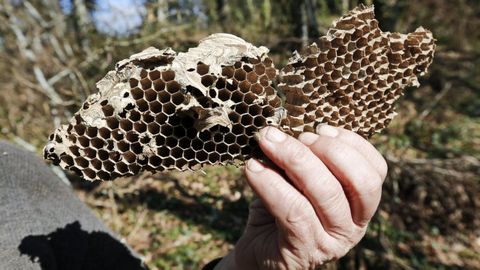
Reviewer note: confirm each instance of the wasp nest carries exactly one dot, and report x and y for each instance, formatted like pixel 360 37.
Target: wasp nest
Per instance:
pixel 160 110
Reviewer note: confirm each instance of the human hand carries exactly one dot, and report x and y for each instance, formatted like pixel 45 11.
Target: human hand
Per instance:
pixel 319 210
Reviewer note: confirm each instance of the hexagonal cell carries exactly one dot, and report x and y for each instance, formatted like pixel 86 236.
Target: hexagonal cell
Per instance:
pixel 177 98
pixel 209 146
pixel 139 127
pixel 96 164
pixel 197 144
pixel 240 74
pixel 221 83
pixel 251 130
pixel 84 141
pixel 108 165
pixel 188 154
pixel 131 136
pixel 168 75
pixel 126 124
pixel 148 118
pixel 91 132
pixel 202 68
pixel 242 140
pixel 176 152
pixel 201 156
pixel 181 164
pixel 234 149
pixel 208 80
pixel 252 77
pixel 97 143
pixel 213 158
pixel 123 146
pixel 205 135
pixel 159 85
pixel 257 89
pixel 171 142
pixel 134 168
pixel 117 134
pixel 129 157
pixel 150 95
pixel 169 108
pixel 246 120
pixel 89 173
pixel 173 87
pixel 168 162
pixel 133 82
pixel 163 151
pixel 102 154
pixel 224 94
pixel 154 75
pixel 238 129
pixel 145 83
pixel 259 121
pixel 81 162
pixel 114 156
pixel 137 93
pixel 142 105
pixel 185 143
pixel 166 130
pixel 241 108
pixel 90 153
pixel 161 118
pixel 229 138
pixel 153 128
pixel 136 147
pixel 271 73
pixel 67 159
pixel 154 161
pixel 79 129
pixel 228 71
pixel 121 167
pixel 107 110
pixel 218 137
pixel 221 148
pixel 104 133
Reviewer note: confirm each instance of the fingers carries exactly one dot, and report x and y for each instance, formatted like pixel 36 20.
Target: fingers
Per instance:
pixel 361 181
pixel 310 177
pixel 284 202
pixel 359 143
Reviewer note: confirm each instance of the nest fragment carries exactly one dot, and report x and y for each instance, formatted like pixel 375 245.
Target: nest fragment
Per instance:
pixel 159 110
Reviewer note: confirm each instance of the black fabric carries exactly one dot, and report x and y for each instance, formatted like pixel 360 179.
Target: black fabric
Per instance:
pixel 211 265
pixel 44 226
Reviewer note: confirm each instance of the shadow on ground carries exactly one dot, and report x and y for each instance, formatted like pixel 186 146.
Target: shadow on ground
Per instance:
pixel 75 249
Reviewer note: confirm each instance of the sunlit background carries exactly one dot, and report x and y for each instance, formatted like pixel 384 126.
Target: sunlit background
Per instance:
pixel 52 53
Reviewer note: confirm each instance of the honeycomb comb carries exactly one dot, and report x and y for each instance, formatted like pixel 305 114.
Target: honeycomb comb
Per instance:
pixel 159 110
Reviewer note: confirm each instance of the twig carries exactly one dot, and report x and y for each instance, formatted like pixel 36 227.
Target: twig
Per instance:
pixel 435 101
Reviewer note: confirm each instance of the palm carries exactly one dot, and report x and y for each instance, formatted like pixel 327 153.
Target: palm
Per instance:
pixel 263 241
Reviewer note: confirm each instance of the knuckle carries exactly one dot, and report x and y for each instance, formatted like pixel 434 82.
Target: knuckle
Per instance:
pixel 298 212
pixel 297 154
pixel 336 148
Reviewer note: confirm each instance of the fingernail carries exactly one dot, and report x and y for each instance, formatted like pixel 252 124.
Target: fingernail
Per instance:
pixel 254 166
pixel 326 130
pixel 307 138
pixel 274 135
